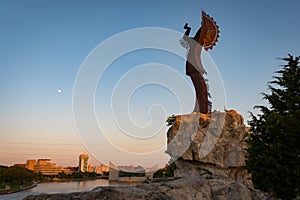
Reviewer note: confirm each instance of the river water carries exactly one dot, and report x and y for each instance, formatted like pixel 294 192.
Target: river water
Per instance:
pixel 57 187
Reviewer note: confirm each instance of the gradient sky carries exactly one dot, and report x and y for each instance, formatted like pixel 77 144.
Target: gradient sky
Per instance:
pixel 43 44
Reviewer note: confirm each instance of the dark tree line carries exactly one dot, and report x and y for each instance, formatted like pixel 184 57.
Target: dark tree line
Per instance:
pixel 16 175
pixel 20 176
pixel 77 175
pixel 274 146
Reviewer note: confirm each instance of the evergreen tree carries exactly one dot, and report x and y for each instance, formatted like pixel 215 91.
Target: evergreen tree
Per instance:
pixel 273 155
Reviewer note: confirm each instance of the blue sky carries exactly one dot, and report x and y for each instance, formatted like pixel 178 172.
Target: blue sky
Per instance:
pixel 43 44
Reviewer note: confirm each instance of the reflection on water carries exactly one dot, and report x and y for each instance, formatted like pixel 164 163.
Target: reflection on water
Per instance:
pixel 58 187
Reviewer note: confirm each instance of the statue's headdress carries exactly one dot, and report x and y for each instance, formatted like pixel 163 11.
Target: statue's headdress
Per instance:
pixel 209 33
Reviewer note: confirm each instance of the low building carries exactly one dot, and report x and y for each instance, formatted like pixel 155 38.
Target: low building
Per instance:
pixel 129 173
pixel 98 169
pixel 104 168
pixel 72 169
pixel 45 167
pixel 20 165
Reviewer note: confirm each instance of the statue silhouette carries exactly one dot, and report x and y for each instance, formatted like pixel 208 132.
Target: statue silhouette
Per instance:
pixel 206 37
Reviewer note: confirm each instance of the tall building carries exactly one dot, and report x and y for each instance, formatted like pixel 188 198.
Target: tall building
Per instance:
pixel 83 162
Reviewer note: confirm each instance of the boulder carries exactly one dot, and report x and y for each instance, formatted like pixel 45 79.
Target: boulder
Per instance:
pixel 210 145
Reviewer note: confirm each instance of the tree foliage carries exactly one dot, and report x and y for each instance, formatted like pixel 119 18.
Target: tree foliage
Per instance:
pixel 167 171
pixel 273 155
pixel 171 120
pixel 16 175
pixel 77 175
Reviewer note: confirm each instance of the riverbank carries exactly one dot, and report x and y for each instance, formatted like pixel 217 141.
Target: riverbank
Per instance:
pixel 17 188
pixel 59 187
pixel 13 189
pixel 72 179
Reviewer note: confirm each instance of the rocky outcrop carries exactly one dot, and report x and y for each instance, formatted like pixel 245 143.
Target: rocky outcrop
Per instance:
pixel 210 146
pixel 209 152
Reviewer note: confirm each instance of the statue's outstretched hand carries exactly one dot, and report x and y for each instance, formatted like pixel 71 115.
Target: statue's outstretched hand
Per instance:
pixel 186 26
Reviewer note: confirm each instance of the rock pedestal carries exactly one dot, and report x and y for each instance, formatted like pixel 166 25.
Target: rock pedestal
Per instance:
pixel 211 146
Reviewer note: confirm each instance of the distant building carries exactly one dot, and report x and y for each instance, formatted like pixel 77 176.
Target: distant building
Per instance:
pixel 30 164
pixel 45 167
pixel 113 172
pixel 83 162
pixel 104 168
pixel 130 173
pixel 98 169
pixel 72 169
pixel 20 165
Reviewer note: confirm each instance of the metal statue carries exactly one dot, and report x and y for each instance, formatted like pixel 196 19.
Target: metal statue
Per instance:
pixel 206 37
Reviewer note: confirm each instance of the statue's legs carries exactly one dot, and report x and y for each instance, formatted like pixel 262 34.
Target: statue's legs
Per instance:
pixel 201 104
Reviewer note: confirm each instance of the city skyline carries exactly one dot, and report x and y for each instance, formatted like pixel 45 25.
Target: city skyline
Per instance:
pixel 43 45
pixel 46 167
pixel 49 159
